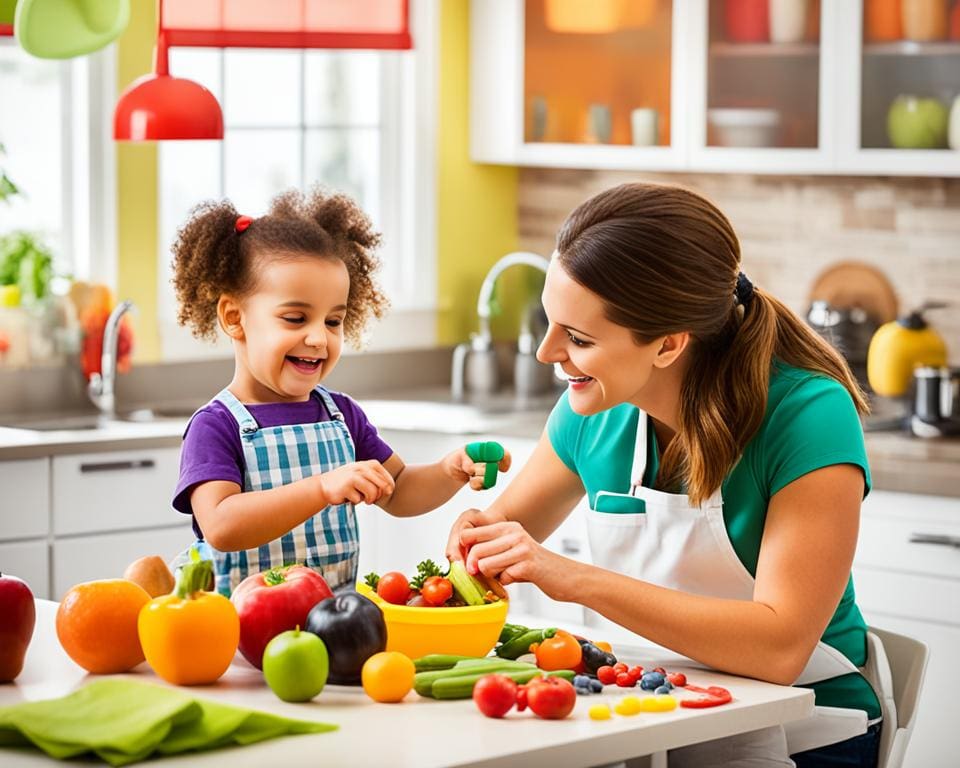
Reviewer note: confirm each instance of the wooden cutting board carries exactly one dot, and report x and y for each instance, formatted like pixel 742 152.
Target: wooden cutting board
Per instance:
pixel 850 284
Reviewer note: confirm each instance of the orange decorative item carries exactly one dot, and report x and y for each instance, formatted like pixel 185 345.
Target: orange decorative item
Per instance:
pixel 562 651
pixel 97 625
pixel 190 636
pixel 924 20
pixel 882 21
pixel 955 21
pixel 94 304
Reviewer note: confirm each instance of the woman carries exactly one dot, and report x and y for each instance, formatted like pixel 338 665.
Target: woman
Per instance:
pixel 718 441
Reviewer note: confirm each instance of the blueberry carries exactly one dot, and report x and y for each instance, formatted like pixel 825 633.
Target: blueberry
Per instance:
pixel 596 686
pixel 648 685
pixel 582 691
pixel 581 680
pixel 662 689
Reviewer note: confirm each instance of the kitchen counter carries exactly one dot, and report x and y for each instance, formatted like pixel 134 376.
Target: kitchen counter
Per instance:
pixel 423 733
pixel 898 461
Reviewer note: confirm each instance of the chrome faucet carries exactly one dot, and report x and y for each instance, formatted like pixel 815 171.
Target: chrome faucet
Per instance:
pixel 474 362
pixel 102 386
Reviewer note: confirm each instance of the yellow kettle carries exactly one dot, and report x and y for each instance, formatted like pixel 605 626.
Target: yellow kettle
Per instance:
pixel 900 346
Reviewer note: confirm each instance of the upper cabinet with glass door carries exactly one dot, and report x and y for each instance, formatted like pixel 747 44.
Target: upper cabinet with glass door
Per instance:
pixel 906 70
pixel 758 86
pixel 577 84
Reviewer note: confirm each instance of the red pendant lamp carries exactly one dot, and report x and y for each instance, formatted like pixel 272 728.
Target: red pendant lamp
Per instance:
pixel 159 107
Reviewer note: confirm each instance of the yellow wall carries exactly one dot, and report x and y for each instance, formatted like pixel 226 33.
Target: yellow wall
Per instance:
pixel 477 204
pixel 137 199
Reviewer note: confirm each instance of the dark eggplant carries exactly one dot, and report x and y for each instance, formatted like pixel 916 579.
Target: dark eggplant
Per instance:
pixel 352 628
pixel 594 658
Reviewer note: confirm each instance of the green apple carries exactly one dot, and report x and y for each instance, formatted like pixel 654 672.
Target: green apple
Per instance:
pixel 916 123
pixel 295 665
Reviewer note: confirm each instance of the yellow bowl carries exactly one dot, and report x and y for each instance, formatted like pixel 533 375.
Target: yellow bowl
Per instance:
pixel 470 630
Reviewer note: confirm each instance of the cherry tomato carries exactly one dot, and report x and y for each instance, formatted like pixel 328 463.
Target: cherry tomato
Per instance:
pixel 551 698
pixel 436 590
pixel 394 588
pixel 494 695
pixel 562 651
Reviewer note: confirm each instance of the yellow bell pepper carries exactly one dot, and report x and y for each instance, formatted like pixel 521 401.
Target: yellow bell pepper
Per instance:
pixel 189 637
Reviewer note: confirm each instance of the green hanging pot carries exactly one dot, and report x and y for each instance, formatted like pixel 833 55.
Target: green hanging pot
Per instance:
pixel 62 29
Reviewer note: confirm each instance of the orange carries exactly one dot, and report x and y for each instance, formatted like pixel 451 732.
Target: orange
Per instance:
pixel 387 676
pixel 97 625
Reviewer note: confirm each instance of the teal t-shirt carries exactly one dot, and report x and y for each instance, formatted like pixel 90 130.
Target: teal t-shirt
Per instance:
pixel 810 423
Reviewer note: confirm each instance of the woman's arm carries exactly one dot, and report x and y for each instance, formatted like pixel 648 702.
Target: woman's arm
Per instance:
pixel 539 498
pixel 421 488
pixel 232 520
pixel 806 553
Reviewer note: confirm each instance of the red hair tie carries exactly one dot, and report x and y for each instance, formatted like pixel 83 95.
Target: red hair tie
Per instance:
pixel 242 223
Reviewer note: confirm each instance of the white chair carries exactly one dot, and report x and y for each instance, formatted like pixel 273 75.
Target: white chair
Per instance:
pixel 895 667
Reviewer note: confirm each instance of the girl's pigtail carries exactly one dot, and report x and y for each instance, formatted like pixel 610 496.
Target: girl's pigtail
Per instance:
pixel 207 262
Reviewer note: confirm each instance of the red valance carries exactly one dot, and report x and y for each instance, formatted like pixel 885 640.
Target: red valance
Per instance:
pixel 287 23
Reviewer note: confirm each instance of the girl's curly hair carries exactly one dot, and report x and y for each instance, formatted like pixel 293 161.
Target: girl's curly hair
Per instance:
pixel 211 258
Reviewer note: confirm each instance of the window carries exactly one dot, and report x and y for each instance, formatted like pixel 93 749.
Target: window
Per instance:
pixel 55 141
pixel 353 121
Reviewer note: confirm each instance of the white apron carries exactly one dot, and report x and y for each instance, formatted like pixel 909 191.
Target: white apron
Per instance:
pixel 662 539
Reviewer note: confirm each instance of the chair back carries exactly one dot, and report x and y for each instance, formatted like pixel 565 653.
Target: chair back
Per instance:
pixel 896 665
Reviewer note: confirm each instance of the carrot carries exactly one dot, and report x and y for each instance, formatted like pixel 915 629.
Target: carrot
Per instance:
pixel 189 637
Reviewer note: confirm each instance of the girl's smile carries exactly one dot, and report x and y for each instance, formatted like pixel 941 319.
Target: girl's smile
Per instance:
pixel 289 331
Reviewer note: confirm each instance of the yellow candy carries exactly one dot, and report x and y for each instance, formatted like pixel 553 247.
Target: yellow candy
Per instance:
pixel 600 712
pixel 628 705
pixel 662 702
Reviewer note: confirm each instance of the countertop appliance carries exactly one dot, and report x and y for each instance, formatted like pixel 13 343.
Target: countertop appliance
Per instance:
pixel 936 405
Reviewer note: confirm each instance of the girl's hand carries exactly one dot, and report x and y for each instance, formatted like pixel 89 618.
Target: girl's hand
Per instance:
pixel 505 551
pixel 365 481
pixel 460 467
pixel 469 519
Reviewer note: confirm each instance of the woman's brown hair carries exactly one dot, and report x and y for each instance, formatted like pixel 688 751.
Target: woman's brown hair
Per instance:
pixel 210 257
pixel 664 260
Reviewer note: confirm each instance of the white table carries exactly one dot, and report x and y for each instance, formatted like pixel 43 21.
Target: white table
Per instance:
pixel 424 733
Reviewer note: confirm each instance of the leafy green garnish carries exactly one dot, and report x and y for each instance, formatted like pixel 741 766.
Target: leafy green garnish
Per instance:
pixel 372 579
pixel 425 569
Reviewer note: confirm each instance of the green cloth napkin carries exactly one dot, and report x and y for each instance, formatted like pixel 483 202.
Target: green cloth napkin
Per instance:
pixel 124 721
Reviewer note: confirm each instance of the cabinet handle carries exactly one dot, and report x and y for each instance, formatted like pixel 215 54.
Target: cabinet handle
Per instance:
pixel 935 538
pixel 113 466
pixel 570 546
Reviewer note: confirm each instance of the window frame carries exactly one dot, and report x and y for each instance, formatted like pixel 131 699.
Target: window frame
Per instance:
pixel 407 120
pixel 87 245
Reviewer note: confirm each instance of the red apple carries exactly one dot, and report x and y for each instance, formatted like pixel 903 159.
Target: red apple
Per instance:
pixel 274 601
pixel 19 615
pixel 551 698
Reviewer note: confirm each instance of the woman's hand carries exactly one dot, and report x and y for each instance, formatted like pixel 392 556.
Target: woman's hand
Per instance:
pixel 472 518
pixel 505 551
pixel 460 467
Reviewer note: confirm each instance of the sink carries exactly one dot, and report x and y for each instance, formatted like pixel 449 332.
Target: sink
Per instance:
pixel 90 421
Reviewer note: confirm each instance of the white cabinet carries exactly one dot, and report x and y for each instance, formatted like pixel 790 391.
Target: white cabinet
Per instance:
pixel 677 86
pixel 30 561
pixel 106 555
pixel 24 499
pixel 72 518
pixel 914 589
pixel 114 490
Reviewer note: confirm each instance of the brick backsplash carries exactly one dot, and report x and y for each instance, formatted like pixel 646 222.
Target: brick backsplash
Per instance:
pixel 791 228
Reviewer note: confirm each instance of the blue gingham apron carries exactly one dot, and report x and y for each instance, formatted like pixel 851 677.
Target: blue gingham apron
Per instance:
pixel 328 541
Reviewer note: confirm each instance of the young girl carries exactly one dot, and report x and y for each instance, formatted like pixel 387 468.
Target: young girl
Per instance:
pixel 272 467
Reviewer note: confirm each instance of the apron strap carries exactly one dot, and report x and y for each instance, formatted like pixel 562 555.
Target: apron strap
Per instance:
pixel 329 402
pixel 639 453
pixel 248 425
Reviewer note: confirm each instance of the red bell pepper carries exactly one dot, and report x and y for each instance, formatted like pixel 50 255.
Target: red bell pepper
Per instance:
pixel 713 696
